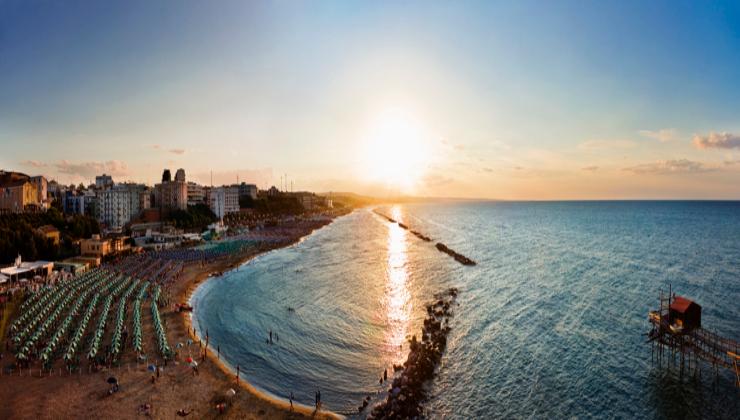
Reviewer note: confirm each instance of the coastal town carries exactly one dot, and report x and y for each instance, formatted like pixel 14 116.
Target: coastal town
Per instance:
pixel 94 295
pixel 369 210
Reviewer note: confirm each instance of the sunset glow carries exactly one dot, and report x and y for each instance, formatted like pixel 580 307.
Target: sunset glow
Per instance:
pixel 394 151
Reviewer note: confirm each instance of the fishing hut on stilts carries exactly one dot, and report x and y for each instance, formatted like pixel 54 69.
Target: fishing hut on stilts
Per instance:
pixel 678 337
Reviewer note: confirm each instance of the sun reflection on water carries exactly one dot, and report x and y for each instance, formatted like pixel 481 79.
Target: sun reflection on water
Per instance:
pixel 397 296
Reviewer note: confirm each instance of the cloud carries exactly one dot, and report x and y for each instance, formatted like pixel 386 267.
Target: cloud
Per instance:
pixel 34 163
pixel 663 135
pixel 665 167
pixel 606 144
pixel 722 140
pixel 90 169
pixel 487 169
pixel 175 151
pixel 591 168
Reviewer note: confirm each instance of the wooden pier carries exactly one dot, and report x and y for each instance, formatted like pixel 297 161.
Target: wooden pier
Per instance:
pixel 677 333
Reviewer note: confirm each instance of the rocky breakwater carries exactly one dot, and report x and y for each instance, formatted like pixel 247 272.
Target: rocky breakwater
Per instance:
pixel 407 391
pixel 462 259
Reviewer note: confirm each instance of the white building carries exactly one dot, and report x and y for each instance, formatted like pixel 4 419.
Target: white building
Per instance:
pixel 224 200
pixel 196 195
pixel 118 205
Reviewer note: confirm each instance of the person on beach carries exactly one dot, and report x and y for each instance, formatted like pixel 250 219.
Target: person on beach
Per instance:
pixel 270 336
pixel 291 401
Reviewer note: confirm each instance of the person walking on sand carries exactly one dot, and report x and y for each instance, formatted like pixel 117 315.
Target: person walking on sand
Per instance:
pixel 291 401
pixel 270 336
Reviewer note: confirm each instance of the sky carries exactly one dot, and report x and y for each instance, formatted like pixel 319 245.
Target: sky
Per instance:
pixel 503 100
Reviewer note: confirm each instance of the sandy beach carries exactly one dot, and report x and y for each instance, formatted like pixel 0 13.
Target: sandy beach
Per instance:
pixel 31 395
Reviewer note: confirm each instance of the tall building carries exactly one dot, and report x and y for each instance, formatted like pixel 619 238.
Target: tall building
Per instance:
pixel 73 203
pixel 145 199
pixel 196 195
pixel 248 190
pixel 80 202
pixel 172 194
pixel 180 175
pixel 118 205
pixel 18 193
pixel 42 190
pixel 224 200
pixel 103 181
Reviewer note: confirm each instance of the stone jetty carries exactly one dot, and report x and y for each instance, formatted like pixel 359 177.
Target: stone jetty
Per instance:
pixel 407 391
pixel 462 259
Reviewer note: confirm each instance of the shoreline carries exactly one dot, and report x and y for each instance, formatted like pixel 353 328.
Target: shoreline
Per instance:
pixel 187 295
pixel 31 394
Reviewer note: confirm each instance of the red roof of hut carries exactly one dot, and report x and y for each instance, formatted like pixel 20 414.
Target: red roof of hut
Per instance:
pixel 681 304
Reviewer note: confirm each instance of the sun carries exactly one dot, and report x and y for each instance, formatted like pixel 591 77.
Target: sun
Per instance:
pixel 394 150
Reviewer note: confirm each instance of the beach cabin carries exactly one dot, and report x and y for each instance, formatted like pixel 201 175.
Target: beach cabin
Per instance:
pixel 685 313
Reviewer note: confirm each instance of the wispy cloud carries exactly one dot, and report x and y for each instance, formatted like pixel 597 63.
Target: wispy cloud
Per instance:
pixel 156 146
pixel 34 163
pixel 177 151
pixel 591 168
pixel 90 169
pixel 675 166
pixel 606 144
pixel 663 135
pixel 722 140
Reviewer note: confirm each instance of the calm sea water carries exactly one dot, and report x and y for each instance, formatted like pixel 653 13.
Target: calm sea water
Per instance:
pixel 551 323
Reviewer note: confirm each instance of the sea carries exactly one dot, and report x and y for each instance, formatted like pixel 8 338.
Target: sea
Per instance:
pixel 550 323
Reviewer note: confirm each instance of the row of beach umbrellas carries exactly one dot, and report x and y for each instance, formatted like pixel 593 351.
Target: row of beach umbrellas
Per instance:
pixel 115 344
pixel 100 329
pixel 80 332
pixel 137 317
pixel 164 347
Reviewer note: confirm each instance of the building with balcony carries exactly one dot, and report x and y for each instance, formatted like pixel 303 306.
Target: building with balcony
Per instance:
pixel 224 200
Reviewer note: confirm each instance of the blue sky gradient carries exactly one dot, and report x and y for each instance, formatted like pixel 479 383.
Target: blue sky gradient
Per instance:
pixel 535 100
